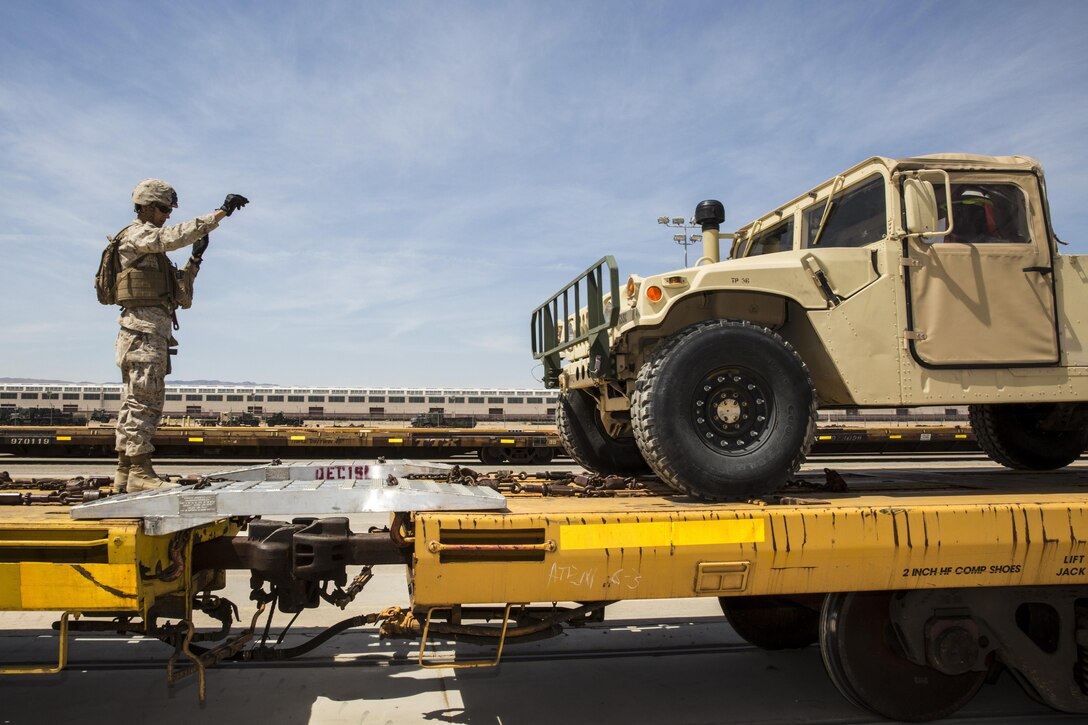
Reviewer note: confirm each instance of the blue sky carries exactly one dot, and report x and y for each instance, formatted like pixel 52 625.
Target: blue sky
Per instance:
pixel 423 174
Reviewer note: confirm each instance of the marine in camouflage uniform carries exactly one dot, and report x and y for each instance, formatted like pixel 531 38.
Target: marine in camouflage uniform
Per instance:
pixel 149 289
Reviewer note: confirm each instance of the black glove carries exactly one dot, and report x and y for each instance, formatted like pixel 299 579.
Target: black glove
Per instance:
pixel 232 203
pixel 199 246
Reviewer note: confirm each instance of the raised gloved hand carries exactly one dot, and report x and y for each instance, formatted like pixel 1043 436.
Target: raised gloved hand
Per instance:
pixel 232 203
pixel 199 246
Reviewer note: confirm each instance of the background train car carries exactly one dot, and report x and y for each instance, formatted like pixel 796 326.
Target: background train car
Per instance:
pixel 238 404
pixel 293 403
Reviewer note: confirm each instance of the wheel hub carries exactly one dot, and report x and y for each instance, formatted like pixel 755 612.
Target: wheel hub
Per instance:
pixel 731 410
pixel 728 411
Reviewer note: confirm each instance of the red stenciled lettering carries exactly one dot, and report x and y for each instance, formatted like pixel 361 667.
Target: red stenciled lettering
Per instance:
pixel 359 472
pixel 319 474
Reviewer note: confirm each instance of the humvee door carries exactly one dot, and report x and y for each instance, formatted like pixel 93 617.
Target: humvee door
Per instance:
pixel 983 294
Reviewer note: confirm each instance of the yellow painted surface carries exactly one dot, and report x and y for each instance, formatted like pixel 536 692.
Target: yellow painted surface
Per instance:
pixel 10 587
pixel 335 439
pixel 999 529
pixel 50 562
pixel 77 586
pixel 660 533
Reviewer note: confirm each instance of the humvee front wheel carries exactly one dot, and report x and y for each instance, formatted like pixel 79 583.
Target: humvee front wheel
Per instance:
pixel 585 439
pixel 724 410
pixel 1012 434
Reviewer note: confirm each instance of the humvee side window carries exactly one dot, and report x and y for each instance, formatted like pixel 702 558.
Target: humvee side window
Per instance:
pixel 778 238
pixel 984 214
pixel 858 216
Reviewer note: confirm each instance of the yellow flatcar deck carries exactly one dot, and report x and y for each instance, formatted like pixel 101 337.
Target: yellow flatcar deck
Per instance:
pixel 890 530
pixel 966 566
pixel 210 441
pixel 50 562
pixel 277 441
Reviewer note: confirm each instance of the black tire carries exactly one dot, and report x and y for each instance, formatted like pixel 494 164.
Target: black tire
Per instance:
pixel 1010 435
pixel 585 440
pixel 771 622
pixel 762 403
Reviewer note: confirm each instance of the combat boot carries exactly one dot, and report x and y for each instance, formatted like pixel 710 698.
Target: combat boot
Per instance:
pixel 142 477
pixel 120 479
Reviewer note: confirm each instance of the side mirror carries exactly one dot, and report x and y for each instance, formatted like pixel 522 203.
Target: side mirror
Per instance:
pixel 920 205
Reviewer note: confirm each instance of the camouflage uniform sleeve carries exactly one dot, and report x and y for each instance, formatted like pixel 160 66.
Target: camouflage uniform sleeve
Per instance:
pixel 186 280
pixel 146 239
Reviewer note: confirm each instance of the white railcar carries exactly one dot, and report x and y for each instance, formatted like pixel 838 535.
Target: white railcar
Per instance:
pixel 378 404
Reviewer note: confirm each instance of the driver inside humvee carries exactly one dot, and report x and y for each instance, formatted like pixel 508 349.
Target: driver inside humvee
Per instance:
pixel 985 214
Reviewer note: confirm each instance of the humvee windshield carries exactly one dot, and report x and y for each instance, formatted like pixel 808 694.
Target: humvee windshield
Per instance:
pixel 858 216
pixel 778 238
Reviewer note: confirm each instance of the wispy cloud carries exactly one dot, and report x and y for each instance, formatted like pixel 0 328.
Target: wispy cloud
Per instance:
pixel 424 174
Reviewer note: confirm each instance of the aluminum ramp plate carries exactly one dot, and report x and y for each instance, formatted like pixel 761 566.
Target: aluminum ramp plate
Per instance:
pixel 295 489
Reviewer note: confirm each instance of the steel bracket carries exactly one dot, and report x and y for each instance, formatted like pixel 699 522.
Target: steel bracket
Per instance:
pixel 471 664
pixel 62 657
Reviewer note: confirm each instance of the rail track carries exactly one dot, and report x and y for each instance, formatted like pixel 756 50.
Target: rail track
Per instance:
pixel 587 667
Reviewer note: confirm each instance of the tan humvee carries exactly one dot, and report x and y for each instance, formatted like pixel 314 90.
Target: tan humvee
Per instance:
pixel 925 281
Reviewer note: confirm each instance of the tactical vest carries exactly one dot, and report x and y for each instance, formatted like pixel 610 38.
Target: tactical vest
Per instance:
pixel 151 282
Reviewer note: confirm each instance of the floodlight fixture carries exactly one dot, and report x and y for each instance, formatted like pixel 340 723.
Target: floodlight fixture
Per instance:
pixel 685 240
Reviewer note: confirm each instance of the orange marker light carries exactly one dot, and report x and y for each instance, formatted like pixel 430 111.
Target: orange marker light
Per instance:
pixel 653 293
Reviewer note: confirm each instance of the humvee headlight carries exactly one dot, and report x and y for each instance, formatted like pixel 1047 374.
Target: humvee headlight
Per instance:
pixel 653 293
pixel 632 288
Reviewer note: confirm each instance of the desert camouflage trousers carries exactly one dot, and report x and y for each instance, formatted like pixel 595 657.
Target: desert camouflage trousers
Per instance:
pixel 143 359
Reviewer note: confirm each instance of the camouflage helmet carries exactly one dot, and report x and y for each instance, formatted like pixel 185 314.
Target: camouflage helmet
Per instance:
pixel 152 191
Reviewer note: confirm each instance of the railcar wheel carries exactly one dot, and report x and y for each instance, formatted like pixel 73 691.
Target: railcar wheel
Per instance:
pixel 864 660
pixel 771 622
pixel 518 456
pixel 724 410
pixel 586 441
pixel 1011 435
pixel 542 456
pixel 491 455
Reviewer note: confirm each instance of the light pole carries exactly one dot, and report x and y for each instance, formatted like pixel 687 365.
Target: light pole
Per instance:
pixel 685 239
